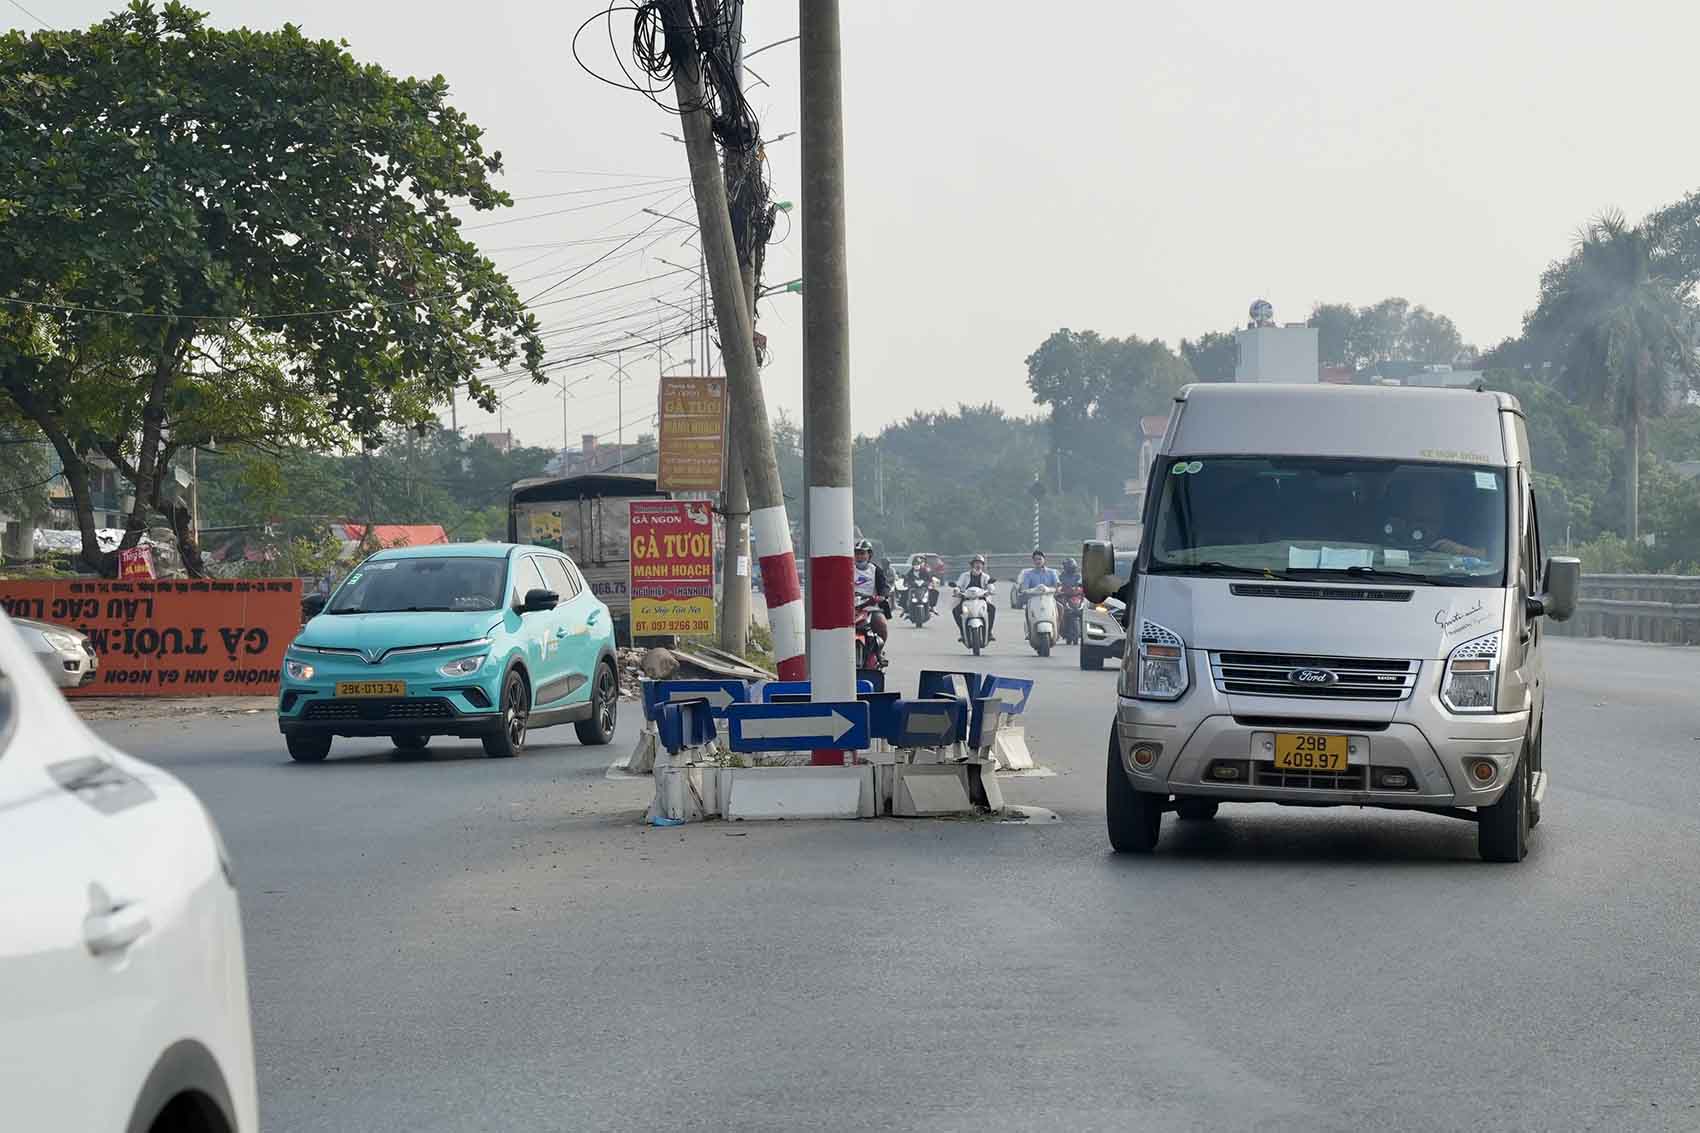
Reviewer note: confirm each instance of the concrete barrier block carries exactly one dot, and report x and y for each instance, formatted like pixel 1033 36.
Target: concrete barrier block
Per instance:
pixel 1010 749
pixel 642 759
pixel 800 792
pixel 686 794
pixel 922 790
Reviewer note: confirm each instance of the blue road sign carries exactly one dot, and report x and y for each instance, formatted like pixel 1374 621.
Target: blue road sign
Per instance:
pixel 882 714
pixel 989 712
pixel 1015 692
pixel 929 723
pixel 719 694
pixel 797 727
pixel 952 683
pixel 682 724
pixel 771 691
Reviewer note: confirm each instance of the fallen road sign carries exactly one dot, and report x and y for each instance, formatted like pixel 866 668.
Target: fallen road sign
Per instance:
pixel 928 723
pixel 719 694
pixel 797 727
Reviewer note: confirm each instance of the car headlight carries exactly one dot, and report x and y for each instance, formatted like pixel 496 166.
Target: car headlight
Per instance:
pixel 464 667
pixel 1471 680
pixel 298 670
pixel 1160 670
pixel 62 641
pixel 1094 630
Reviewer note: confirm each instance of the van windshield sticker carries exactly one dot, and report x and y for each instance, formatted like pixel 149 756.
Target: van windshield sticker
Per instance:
pixel 1195 466
pixel 381 566
pixel 1487 482
pixel 1179 469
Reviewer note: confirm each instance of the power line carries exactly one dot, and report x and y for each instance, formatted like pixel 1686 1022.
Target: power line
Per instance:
pixel 45 26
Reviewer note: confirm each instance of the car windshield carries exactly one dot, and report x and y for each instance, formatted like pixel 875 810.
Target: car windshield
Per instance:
pixel 1310 517
pixel 422 584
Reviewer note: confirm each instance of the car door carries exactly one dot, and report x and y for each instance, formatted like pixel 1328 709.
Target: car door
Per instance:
pixel 579 636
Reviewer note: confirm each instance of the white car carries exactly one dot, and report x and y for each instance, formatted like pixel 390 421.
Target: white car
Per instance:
pixel 123 989
pixel 66 653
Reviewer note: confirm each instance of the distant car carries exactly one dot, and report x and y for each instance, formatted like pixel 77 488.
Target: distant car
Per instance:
pixel 476 640
pixel 121 963
pixel 66 654
pixel 1103 635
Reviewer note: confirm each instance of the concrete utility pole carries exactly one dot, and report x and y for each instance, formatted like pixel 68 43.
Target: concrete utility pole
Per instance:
pixel 737 342
pixel 826 360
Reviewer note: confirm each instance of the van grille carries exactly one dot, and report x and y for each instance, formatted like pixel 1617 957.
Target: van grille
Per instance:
pixel 1351 779
pixel 1317 593
pixel 1271 674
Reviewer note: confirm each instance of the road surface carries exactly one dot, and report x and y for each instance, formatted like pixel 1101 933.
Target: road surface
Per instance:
pixel 458 943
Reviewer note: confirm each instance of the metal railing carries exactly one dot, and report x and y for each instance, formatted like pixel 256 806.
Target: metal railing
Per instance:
pixel 1662 608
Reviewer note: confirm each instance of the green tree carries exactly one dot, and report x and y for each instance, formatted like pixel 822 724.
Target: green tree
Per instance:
pixel 233 235
pixel 1622 332
pixel 1333 323
pixel 1213 357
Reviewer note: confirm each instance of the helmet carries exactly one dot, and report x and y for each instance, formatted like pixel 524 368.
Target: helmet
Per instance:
pixel 864 545
pixel 916 559
pixel 1070 564
pixel 981 559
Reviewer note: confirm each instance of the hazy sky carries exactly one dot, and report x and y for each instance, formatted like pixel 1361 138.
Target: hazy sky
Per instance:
pixel 1145 168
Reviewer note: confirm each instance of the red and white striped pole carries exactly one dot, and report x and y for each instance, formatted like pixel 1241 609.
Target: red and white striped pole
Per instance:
pixel 782 589
pixel 826 362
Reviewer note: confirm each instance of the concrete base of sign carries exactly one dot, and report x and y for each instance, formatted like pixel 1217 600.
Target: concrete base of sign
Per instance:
pixel 685 794
pixel 799 792
pixel 1010 749
pixel 690 792
pixel 642 759
pixel 933 789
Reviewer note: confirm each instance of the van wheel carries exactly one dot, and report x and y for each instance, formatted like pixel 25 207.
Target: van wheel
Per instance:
pixel 516 711
pixel 1133 817
pixel 1091 661
pixel 1196 809
pixel 308 749
pixel 604 709
pixel 1502 830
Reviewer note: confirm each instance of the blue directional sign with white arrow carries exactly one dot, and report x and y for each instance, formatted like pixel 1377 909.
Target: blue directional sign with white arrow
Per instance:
pixel 719 694
pixel 797 727
pixel 929 723
pixel 1015 692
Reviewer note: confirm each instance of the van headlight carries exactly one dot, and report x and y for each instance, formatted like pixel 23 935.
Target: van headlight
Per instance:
pixel 1161 671
pixel 1471 680
pixel 298 670
pixel 464 667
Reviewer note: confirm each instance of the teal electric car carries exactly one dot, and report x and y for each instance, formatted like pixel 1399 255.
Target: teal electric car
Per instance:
pixel 484 640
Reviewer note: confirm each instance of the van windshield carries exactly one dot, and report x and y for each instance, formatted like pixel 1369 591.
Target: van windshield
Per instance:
pixel 1311 517
pixel 390 586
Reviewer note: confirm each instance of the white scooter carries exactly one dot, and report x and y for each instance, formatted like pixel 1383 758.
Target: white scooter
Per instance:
pixel 1041 613
pixel 975 631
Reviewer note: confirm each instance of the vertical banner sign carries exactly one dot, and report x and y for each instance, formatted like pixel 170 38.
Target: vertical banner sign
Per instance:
pixel 693 434
pixel 192 637
pixel 134 563
pixel 672 568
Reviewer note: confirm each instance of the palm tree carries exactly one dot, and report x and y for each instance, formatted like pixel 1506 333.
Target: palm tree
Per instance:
pixel 1623 332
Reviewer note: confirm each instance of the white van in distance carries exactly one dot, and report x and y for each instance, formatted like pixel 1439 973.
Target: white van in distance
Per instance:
pixel 1338 600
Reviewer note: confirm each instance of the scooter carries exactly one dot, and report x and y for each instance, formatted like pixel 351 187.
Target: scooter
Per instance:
pixel 917 601
pixel 1041 612
pixel 975 631
pixel 870 646
pixel 1072 601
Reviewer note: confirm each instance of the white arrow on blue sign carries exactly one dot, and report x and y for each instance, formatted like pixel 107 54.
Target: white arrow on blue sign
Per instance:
pixel 797 727
pixel 719 694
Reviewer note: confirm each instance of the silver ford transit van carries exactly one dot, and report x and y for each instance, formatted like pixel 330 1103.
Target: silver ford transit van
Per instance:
pixel 1338 600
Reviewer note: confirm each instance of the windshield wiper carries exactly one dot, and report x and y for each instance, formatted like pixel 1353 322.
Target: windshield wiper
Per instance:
pixel 1214 566
pixel 346 610
pixel 1369 572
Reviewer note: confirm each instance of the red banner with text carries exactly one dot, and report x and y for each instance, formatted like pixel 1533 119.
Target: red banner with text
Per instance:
pixel 672 568
pixel 202 637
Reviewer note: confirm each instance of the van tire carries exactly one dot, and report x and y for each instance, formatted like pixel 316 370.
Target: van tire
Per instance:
pixel 1502 830
pixel 1091 661
pixel 1197 810
pixel 1133 817
pixel 308 749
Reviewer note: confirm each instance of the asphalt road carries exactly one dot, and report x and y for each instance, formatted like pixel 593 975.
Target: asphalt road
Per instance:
pixel 458 943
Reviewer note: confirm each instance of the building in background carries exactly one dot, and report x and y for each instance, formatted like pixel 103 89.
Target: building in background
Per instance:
pixel 1270 353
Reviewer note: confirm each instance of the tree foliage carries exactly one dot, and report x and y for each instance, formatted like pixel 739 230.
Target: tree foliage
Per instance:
pixel 233 235
pixel 1389 331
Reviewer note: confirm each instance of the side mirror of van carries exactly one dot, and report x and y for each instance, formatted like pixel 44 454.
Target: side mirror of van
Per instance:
pixel 1098 574
pixel 1563 585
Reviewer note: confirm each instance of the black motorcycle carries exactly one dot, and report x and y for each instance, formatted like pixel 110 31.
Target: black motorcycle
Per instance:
pixel 919 601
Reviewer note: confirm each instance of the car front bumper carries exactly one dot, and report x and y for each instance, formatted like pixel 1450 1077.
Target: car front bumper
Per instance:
pixel 1206 729
pixel 433 705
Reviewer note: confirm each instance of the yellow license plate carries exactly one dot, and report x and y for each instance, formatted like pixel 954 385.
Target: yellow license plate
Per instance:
pixel 371 688
pixel 1309 752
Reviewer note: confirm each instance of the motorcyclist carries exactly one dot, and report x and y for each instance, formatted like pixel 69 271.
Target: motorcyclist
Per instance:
pixel 919 577
pixel 976 575
pixel 1068 581
pixel 1036 575
pixel 872 581
pixel 1070 574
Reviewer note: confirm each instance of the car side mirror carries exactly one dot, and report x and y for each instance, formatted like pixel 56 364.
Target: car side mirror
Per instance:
pixel 312 606
pixel 1099 575
pixel 1563 587
pixel 536 600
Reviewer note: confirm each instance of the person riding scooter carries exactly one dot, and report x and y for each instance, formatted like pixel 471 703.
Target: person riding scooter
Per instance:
pixel 975 575
pixel 872 581
pixel 1036 575
pixel 1071 600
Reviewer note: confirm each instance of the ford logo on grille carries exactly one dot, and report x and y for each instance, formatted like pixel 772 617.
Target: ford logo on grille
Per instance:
pixel 1312 677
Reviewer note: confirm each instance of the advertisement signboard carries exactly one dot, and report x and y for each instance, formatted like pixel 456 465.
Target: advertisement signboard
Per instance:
pixel 200 637
pixel 693 434
pixel 672 568
pixel 134 563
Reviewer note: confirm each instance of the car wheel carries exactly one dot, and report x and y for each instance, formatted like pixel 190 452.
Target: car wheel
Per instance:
pixel 308 749
pixel 1133 817
pixel 604 709
pixel 410 742
pixel 1091 660
pixel 1502 830
pixel 1196 809
pixel 516 711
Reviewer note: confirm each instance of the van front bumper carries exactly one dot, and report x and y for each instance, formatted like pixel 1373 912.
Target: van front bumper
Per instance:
pixel 1188 744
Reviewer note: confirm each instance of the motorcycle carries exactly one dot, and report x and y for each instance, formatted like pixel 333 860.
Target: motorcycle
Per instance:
pixel 870 646
pixel 1040 606
pixel 917 601
pixel 976 632
pixel 1072 601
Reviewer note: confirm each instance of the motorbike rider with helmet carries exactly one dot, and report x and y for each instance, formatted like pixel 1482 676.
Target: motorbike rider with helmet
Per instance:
pixel 872 581
pixel 976 575
pixel 920 577
pixel 1070 574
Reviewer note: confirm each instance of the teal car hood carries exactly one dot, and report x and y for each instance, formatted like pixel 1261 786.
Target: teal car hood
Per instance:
pixel 376 634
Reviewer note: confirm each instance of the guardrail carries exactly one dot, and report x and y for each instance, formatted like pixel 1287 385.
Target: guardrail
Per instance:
pixel 1662 608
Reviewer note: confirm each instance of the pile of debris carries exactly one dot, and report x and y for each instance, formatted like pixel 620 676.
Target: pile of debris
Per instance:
pixel 682 663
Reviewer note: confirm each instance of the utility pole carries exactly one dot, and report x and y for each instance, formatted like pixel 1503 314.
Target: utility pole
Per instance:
pixel 737 342
pixel 826 361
